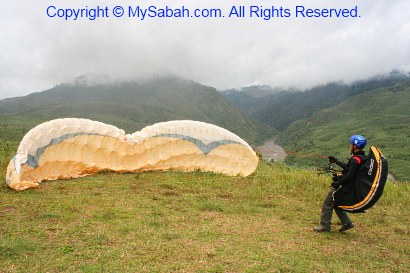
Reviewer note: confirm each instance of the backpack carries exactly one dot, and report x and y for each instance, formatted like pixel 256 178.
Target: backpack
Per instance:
pixel 368 185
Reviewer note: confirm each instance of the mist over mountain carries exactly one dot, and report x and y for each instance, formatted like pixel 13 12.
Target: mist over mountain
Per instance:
pixel 280 108
pixel 132 105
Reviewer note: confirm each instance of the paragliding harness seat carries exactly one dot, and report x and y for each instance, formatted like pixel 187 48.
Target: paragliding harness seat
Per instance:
pixel 367 187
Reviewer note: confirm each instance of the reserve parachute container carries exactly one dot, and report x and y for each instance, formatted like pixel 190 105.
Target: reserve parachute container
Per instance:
pixel 368 186
pixel 71 147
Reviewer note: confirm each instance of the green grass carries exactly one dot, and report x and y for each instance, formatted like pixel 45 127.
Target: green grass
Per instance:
pixel 196 222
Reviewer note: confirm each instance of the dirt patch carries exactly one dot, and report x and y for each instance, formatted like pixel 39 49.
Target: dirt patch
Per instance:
pixel 271 151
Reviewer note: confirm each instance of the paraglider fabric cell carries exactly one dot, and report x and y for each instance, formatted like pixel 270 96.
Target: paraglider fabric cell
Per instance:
pixel 70 148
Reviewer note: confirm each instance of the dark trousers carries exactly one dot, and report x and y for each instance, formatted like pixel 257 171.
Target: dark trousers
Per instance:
pixel 327 210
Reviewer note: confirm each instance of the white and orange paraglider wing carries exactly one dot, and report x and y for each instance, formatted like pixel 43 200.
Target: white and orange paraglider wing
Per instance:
pixel 70 148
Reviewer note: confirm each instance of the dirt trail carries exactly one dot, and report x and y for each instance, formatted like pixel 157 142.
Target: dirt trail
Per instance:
pixel 270 150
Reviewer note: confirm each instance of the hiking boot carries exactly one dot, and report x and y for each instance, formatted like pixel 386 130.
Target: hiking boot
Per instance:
pixel 320 229
pixel 346 227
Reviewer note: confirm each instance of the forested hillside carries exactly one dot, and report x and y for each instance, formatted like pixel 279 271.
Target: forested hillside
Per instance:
pixel 382 115
pixel 127 105
pixel 280 109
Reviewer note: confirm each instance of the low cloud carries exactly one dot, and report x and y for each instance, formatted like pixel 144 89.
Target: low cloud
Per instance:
pixel 38 52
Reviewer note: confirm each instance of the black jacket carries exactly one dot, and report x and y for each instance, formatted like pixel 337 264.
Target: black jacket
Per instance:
pixel 351 180
pixel 351 169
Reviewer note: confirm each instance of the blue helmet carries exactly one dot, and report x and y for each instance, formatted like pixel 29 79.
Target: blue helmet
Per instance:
pixel 358 140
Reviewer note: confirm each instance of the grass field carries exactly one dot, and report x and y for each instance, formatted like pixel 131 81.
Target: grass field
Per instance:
pixel 196 222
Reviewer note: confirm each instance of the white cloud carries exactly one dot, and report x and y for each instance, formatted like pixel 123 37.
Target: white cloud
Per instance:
pixel 37 52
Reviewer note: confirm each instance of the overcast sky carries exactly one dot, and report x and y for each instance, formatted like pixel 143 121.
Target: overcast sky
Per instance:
pixel 37 52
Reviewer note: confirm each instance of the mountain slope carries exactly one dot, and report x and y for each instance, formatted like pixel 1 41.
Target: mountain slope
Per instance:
pixel 382 115
pixel 129 106
pixel 281 109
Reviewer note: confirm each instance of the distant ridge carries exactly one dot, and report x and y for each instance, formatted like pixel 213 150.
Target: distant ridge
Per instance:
pixel 130 105
pixel 280 108
pixel 382 115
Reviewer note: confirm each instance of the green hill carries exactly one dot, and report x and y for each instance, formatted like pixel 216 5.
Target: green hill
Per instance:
pixel 382 115
pixel 127 105
pixel 197 222
pixel 280 109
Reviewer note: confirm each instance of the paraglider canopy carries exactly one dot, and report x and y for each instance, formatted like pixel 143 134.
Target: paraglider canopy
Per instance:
pixel 71 147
